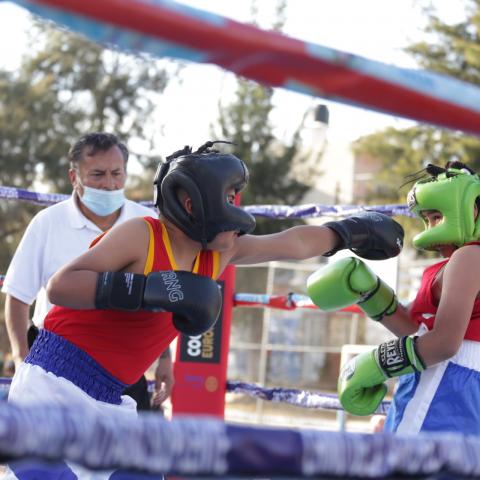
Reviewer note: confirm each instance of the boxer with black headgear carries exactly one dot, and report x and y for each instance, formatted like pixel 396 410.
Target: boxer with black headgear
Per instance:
pixel 205 176
pixel 121 303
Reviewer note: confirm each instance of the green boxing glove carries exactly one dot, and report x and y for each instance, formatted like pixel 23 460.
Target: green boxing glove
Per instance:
pixel 361 385
pixel 349 281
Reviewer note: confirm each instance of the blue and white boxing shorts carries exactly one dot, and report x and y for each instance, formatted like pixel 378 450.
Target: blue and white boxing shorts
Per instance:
pixel 444 397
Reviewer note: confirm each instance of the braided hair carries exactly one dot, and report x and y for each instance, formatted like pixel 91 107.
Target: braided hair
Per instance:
pixel 205 149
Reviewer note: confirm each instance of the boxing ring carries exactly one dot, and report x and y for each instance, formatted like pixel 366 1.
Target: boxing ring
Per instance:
pixel 205 374
pixel 42 437
pixel 38 439
pixel 208 447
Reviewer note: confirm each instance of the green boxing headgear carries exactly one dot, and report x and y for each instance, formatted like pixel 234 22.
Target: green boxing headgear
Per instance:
pixel 453 194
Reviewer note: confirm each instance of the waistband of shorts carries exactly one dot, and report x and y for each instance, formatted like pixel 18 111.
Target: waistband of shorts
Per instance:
pixel 468 355
pixel 62 358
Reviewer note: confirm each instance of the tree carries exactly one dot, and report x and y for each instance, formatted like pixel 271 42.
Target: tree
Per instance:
pixel 450 49
pixel 403 152
pixel 275 167
pixel 66 86
pixel 63 88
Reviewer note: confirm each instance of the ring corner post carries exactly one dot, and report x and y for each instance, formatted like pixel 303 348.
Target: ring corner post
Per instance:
pixel 201 362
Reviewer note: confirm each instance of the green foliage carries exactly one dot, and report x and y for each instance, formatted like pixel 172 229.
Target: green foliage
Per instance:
pixel 140 187
pixel 65 87
pixel 14 217
pixel 404 152
pixel 452 49
pixel 271 163
pixel 277 171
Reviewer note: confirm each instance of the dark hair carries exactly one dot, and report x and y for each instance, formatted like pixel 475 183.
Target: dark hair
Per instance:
pixel 434 171
pixel 459 166
pixel 206 149
pixel 95 142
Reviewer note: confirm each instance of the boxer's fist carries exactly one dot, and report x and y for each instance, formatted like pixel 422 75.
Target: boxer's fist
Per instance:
pixel 349 281
pixel 370 235
pixel 361 384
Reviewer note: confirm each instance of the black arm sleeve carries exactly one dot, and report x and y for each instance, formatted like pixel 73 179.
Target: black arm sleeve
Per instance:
pixel 119 291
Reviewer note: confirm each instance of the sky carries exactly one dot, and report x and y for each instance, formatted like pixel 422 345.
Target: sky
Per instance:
pixel 376 29
pixel 372 28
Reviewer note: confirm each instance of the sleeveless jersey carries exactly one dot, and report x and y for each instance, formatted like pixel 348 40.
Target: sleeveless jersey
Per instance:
pixel 127 343
pixel 424 307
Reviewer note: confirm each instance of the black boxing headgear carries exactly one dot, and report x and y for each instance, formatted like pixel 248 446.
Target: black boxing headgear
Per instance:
pixel 206 177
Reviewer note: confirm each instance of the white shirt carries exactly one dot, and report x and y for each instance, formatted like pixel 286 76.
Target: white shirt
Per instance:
pixel 54 237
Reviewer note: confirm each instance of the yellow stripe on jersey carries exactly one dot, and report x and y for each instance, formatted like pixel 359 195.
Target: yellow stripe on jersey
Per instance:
pixel 196 265
pixel 216 264
pixel 168 247
pixel 151 250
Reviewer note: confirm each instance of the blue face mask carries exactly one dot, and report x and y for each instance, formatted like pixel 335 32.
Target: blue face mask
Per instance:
pixel 102 202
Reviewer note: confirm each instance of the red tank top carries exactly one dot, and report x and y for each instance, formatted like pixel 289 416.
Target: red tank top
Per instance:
pixel 424 307
pixel 127 343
